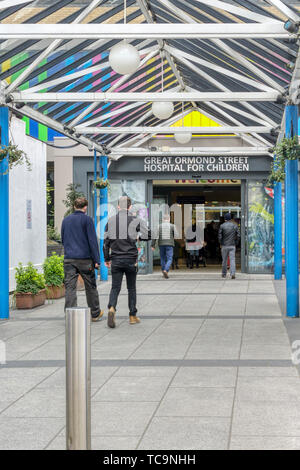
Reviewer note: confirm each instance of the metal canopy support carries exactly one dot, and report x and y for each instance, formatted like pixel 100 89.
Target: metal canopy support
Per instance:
pixel 209 151
pixel 20 79
pixel 250 15
pixel 13 3
pixel 57 126
pixel 143 31
pixel 166 96
pixel 230 73
pixel 4 218
pixel 291 219
pixel 122 80
pixel 226 48
pixel 170 130
pixel 281 6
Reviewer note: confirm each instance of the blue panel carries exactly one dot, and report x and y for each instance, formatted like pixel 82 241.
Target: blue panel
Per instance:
pixel 103 218
pixel 4 220
pixel 34 129
pixel 291 220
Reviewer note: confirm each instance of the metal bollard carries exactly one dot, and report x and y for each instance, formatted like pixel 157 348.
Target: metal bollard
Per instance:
pixel 78 378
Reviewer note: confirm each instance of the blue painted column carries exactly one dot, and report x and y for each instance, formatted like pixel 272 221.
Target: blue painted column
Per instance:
pixel 278 231
pixel 103 217
pixel 4 219
pixel 291 220
pixel 95 199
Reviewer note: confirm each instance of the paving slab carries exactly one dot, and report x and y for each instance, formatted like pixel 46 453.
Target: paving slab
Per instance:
pixel 190 433
pixel 264 443
pixel 209 367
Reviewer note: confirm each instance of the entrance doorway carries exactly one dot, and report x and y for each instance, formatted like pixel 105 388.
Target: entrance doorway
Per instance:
pixel 217 197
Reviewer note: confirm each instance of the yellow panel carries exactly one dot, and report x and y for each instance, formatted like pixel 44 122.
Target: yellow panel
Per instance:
pixel 5 66
pixel 196 119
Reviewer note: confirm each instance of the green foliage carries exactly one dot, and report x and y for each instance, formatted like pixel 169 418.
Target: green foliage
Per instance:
pixel 54 270
pixel 287 149
pixel 72 195
pixel 29 279
pixel 16 156
pixel 49 190
pixel 53 234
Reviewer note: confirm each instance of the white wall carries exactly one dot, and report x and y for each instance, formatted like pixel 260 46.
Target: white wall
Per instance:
pixel 27 244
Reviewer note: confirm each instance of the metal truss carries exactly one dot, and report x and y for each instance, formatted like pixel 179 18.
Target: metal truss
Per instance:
pixel 143 31
pixel 226 60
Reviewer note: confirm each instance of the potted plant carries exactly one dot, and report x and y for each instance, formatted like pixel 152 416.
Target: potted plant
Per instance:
pixel 15 155
pixel 286 149
pixel 54 276
pixel 30 290
pixel 101 183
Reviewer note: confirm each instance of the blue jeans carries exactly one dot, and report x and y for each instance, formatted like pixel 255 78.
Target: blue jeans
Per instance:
pixel 166 257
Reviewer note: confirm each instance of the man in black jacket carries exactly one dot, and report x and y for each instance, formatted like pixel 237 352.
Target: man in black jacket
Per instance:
pixel 121 254
pixel 229 236
pixel 82 257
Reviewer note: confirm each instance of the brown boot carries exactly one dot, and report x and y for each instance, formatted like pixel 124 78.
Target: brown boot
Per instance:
pixel 133 320
pixel 99 317
pixel 111 318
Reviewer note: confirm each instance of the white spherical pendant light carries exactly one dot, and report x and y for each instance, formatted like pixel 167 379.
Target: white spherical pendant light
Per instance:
pixel 183 137
pixel 124 58
pixel 162 109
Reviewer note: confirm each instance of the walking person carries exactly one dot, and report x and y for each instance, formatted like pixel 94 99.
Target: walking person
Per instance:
pixel 194 243
pixel 229 236
pixel 121 255
pixel 82 257
pixel 166 240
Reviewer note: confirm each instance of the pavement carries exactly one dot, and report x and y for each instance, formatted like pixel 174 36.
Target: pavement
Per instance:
pixel 209 367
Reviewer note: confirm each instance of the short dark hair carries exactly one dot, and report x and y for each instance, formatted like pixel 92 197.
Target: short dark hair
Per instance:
pixel 227 216
pixel 80 203
pixel 124 202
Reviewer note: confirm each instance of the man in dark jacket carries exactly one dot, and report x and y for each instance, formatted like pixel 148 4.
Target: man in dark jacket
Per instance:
pixel 229 236
pixel 121 254
pixel 82 257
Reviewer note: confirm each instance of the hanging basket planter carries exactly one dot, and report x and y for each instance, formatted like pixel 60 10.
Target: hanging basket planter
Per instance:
pixel 101 183
pixel 15 156
pixel 287 149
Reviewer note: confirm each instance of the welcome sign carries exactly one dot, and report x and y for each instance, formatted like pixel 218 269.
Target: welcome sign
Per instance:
pixel 196 164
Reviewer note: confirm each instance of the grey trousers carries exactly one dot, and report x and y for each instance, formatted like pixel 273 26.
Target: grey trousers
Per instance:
pixel 228 251
pixel 84 267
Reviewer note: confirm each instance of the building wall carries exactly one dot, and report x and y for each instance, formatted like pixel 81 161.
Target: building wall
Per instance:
pixel 27 244
pixel 63 173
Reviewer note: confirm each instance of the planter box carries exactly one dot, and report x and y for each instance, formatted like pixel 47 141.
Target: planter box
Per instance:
pixel 28 300
pixel 55 292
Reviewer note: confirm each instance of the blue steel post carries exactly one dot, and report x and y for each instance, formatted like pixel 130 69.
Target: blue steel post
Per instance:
pixel 103 217
pixel 95 199
pixel 278 231
pixel 291 217
pixel 4 219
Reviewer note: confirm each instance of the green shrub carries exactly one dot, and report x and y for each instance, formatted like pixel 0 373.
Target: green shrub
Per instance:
pixel 52 233
pixel 28 279
pixel 54 270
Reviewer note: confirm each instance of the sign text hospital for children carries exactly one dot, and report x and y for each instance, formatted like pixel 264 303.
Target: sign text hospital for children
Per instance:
pixel 195 164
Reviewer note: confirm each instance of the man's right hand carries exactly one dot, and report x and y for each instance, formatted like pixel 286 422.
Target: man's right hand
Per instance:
pixel 107 264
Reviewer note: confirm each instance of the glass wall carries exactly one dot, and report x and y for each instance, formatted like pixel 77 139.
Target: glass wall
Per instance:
pixel 136 190
pixel 260 227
